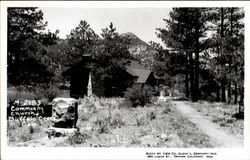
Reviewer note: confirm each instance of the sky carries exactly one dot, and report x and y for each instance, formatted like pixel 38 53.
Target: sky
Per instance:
pixel 140 21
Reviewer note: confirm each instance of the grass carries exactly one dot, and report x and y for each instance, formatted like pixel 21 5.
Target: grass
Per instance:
pixel 222 114
pixel 103 122
pixel 18 132
pixel 13 94
pixel 23 94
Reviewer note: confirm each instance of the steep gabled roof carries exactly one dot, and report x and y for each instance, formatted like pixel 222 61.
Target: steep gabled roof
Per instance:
pixel 137 70
pixel 142 75
pixel 131 72
pixel 134 69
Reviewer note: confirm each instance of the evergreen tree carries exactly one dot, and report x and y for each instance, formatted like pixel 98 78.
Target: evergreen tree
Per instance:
pixel 109 54
pixel 111 60
pixel 26 66
pixel 81 41
pixel 183 33
pixel 228 47
pixel 167 64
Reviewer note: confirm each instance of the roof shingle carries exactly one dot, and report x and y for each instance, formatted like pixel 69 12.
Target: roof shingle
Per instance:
pixel 137 70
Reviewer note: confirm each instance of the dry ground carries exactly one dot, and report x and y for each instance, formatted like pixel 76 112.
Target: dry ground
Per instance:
pixel 110 123
pixel 220 136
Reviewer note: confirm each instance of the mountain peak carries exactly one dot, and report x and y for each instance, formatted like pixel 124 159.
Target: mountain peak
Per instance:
pixel 141 50
pixel 129 35
pixel 134 40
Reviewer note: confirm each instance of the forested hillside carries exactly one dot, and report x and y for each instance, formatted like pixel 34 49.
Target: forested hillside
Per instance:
pixel 202 56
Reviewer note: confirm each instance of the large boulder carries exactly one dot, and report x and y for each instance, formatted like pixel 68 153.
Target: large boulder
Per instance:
pixel 65 112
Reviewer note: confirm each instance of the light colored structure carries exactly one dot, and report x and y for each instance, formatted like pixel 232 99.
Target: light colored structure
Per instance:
pixel 89 92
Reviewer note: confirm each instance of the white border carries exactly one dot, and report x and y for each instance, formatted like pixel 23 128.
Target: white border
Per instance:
pixel 114 153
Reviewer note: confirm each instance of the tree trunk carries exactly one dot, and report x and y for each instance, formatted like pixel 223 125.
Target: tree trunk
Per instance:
pixel 218 93
pixel 236 93
pixel 196 78
pixel 241 99
pixel 223 81
pixel 229 83
pixel 230 58
pixel 186 77
pixel 222 23
pixel 223 90
pixel 236 85
pixel 191 73
pixel 196 69
pixel 229 93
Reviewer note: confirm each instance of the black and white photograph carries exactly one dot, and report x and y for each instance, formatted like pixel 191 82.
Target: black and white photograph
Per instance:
pixel 125 77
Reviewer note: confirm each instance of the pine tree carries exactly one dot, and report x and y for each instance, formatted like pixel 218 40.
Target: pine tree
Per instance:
pixel 228 44
pixel 183 33
pixel 26 66
pixel 111 59
pixel 82 40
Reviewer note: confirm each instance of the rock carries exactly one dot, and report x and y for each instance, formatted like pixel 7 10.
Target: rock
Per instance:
pixel 58 132
pixel 63 100
pixel 65 112
pixel 162 136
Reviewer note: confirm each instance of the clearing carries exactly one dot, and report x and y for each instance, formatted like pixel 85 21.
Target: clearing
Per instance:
pixel 108 122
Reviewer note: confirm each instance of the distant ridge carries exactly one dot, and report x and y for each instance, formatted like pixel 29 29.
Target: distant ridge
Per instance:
pixel 141 50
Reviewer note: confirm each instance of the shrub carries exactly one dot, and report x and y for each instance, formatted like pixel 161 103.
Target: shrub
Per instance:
pixel 151 116
pixel 31 129
pixel 25 137
pixel 117 121
pixel 51 93
pixel 77 138
pixel 46 93
pixel 135 141
pixel 18 93
pixel 141 120
pixel 84 116
pixel 139 95
pixel 156 92
pixel 166 110
pixel 102 125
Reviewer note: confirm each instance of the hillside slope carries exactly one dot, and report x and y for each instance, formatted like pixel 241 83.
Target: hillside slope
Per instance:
pixel 141 50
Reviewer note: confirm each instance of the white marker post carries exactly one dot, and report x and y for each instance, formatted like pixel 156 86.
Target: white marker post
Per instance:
pixel 89 92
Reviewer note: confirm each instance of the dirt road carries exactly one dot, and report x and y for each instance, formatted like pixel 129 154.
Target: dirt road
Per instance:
pixel 219 137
